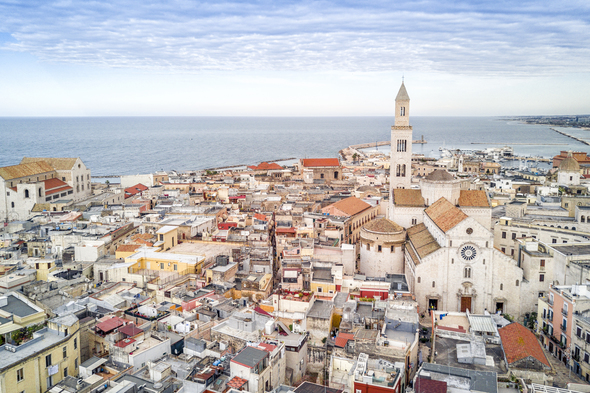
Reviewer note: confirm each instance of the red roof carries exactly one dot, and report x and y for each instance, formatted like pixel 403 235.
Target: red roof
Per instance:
pixel 520 343
pixel 130 330
pixel 125 342
pixel 260 217
pixel 265 166
pixel 424 385
pixel 237 382
pixel 342 339
pixel 136 189
pixel 53 186
pixel 267 347
pixel 110 324
pixel 315 162
pixel 261 311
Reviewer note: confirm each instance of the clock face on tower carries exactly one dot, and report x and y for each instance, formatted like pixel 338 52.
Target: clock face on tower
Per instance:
pixel 468 252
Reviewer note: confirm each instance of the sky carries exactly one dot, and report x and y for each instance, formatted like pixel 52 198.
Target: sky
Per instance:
pixel 293 58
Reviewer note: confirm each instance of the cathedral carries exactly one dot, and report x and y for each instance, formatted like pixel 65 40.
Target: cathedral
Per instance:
pixel 449 257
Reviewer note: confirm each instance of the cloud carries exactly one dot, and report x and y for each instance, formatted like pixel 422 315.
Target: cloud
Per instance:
pixel 499 38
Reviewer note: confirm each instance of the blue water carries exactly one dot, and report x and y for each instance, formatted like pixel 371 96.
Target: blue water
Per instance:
pixel 130 145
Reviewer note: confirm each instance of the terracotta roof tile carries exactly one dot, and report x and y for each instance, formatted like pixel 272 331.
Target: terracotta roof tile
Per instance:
pixel 57 163
pixel 237 382
pixel 342 339
pixel 319 162
pixel 265 166
pixel 110 324
pixel 408 197
pixel 383 225
pixel 128 247
pixel 130 330
pixel 445 215
pixel 349 206
pixel 520 343
pixel 473 198
pixel 422 240
pixel 23 170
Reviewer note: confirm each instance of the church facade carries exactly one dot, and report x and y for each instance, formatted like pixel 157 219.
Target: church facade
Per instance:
pixel 450 261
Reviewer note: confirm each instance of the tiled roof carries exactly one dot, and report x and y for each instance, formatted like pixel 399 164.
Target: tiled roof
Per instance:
pixel 53 186
pixel 445 215
pixel 424 385
pixel 110 324
pixel 265 166
pixel 319 162
pixel 237 382
pixel 520 343
pixel 57 163
pixel 350 206
pixel 407 197
pixel 342 339
pixel 130 330
pixel 260 217
pixel 23 170
pixel 128 247
pixel 439 175
pixel 383 225
pixel 473 198
pixel 422 240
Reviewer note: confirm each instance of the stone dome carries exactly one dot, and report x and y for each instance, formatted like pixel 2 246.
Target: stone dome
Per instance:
pixel 439 175
pixel 383 225
pixel 569 164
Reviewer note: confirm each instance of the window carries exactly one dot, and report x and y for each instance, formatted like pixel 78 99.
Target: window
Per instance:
pixel 75 343
pixel 320 289
pixel 65 351
pixel 418 280
pixel 20 374
pixel 378 248
pixel 12 204
pixel 161 266
pixel 48 360
pixel 579 331
pixel 368 247
pixel 26 193
pixel 517 282
pixel 503 235
pixel 541 277
pixel 65 372
pixel 49 381
pixel 40 191
pixel 433 284
pixel 542 263
pixel 467 272
pixel 392 248
pixel 321 175
pixel 414 221
pixel 504 250
pixel 553 240
pixel 514 236
pixel 175 267
pixel 76 363
pixel 501 287
pixel 586 357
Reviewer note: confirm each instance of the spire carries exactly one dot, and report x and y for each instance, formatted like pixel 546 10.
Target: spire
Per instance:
pixel 402 94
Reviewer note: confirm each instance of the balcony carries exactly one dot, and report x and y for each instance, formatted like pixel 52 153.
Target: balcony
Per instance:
pixel 563 327
pixel 549 301
pixel 564 312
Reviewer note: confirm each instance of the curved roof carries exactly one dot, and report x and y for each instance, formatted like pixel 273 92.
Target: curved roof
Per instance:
pixel 439 175
pixel 383 225
pixel 569 164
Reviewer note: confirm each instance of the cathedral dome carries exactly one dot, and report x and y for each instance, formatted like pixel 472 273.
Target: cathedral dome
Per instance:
pixel 569 164
pixel 439 175
pixel 383 225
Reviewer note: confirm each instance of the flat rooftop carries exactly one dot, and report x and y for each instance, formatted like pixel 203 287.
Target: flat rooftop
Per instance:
pixel 573 249
pixel 17 307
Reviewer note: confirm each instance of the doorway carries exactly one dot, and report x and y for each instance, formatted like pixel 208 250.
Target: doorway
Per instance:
pixel 466 303
pixel 500 307
pixel 433 304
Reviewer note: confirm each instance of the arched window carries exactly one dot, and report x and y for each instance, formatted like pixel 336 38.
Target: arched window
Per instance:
pixel 582 219
pixel 40 192
pixel 517 282
pixel 467 272
pixel 418 280
pixel 26 193
pixel 501 287
pixel 397 170
pixel 12 204
pixel 433 284
pixel 403 170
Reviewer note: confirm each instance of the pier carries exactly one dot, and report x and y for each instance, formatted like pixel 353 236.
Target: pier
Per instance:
pixel 383 143
pixel 571 136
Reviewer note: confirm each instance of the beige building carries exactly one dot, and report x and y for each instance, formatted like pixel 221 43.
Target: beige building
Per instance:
pixel 70 170
pixel 50 355
pixel 356 213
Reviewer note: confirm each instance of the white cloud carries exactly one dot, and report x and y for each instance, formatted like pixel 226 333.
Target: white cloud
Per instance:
pixel 521 39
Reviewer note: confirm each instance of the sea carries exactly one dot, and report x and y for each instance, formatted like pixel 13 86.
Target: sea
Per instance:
pixel 113 146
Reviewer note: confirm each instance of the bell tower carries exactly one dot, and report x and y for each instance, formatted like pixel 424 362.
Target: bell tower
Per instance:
pixel 400 169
